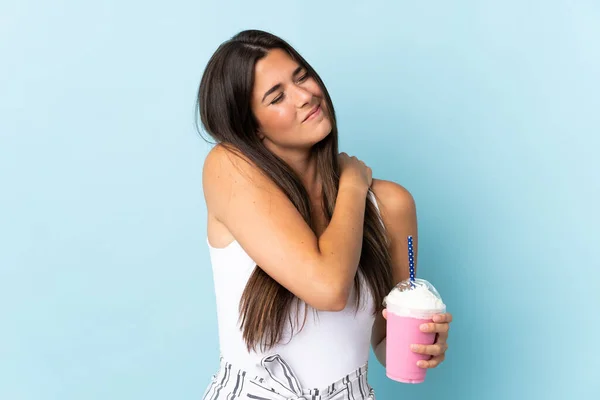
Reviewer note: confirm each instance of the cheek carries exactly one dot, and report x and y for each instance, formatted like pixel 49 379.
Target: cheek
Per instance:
pixel 280 119
pixel 314 88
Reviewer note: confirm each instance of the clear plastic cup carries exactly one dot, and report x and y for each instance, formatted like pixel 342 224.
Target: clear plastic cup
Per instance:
pixel 409 304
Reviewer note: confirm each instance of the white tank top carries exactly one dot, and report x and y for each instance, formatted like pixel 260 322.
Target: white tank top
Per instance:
pixel 329 346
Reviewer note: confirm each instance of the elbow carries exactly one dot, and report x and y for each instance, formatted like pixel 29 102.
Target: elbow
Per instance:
pixel 337 305
pixel 330 292
pixel 339 300
pixel 334 299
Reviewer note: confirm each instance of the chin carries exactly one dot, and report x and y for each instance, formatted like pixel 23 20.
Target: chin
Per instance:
pixel 322 133
pixel 326 127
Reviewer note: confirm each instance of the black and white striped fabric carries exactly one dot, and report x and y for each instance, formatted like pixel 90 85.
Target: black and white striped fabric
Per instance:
pixel 281 383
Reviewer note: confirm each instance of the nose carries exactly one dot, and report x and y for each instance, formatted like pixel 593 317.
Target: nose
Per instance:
pixel 302 96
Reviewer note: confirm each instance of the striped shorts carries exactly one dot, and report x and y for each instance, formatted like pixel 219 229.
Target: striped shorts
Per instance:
pixel 282 384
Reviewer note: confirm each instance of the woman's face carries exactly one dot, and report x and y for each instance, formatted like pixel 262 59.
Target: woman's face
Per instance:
pixel 284 95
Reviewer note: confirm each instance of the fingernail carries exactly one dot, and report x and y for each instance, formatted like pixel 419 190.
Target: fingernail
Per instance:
pixel 437 318
pixel 421 364
pixel 424 327
pixel 414 347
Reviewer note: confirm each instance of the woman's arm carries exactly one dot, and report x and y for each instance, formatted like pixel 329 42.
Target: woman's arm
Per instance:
pixel 399 216
pixel 400 219
pixel 320 271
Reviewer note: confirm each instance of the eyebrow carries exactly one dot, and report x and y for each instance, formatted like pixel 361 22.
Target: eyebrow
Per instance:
pixel 278 86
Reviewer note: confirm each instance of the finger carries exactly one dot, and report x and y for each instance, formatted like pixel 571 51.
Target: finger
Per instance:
pixel 441 338
pixel 441 318
pixel 432 363
pixel 430 350
pixel 435 328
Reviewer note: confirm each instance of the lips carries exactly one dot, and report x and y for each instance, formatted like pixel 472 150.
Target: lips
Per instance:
pixel 314 110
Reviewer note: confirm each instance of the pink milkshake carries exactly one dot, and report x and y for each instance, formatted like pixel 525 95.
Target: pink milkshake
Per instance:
pixel 409 305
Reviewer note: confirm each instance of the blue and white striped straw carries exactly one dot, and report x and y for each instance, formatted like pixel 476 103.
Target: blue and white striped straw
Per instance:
pixel 411 260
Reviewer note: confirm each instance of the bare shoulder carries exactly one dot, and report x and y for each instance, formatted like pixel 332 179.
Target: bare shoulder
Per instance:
pixel 227 173
pixel 393 199
pixel 397 208
pixel 224 160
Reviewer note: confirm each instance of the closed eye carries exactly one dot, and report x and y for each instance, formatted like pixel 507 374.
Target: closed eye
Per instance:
pixel 279 98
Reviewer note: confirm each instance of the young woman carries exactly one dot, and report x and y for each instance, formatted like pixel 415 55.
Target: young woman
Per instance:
pixel 304 243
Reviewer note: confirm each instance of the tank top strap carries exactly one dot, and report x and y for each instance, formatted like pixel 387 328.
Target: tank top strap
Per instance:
pixel 374 201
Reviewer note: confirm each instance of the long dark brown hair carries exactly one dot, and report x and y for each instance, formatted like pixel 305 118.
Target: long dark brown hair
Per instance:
pixel 224 103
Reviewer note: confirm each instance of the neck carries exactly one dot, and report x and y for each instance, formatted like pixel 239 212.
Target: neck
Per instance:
pixel 304 163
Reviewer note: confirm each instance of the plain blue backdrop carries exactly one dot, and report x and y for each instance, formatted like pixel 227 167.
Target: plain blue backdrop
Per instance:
pixel 487 111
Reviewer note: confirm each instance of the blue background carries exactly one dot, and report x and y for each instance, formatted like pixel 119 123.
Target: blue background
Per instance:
pixel 488 112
